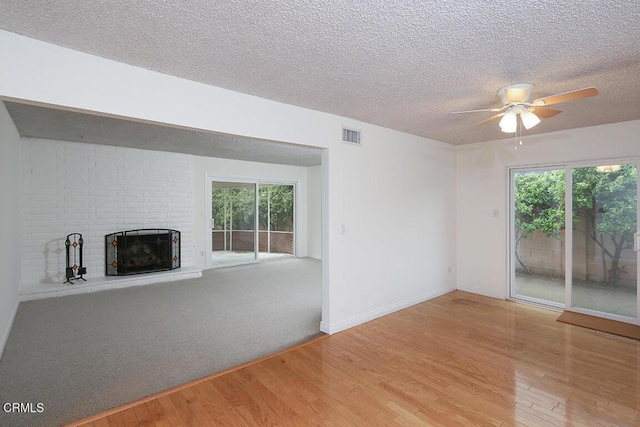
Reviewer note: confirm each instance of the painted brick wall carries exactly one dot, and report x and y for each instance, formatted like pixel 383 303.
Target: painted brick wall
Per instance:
pixel 96 190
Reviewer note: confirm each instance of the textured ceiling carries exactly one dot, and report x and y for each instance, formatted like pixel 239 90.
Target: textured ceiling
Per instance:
pixel 39 122
pixel 401 64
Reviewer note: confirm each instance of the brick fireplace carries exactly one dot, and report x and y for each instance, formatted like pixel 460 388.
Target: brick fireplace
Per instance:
pixel 96 190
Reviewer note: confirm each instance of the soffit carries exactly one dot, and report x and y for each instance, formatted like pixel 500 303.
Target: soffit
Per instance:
pixel 39 122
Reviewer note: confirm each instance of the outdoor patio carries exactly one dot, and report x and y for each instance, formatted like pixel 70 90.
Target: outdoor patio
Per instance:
pixel 236 257
pixel 621 300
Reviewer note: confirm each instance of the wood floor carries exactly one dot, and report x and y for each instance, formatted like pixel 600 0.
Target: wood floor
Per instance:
pixel 458 360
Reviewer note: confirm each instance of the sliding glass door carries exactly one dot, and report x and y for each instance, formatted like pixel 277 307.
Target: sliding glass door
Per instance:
pixel 276 223
pixel 604 273
pixel 574 238
pixel 233 214
pixel 250 221
pixel 538 273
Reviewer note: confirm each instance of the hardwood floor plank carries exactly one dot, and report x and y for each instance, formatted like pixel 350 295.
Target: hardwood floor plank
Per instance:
pixel 170 411
pixel 155 411
pixel 460 359
pixel 261 394
pixel 405 417
pixel 144 416
pixel 594 414
pixel 185 410
pixel 358 402
pixel 115 420
pixel 247 412
pixel 529 416
pixel 215 407
pixel 129 418
pixel 162 423
pixel 202 417
pixel 301 396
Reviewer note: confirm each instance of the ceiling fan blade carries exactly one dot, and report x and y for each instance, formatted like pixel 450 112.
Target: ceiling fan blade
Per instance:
pixel 490 119
pixel 544 113
pixel 566 97
pixel 494 110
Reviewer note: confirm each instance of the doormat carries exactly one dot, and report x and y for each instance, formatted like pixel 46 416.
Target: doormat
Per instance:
pixel 600 324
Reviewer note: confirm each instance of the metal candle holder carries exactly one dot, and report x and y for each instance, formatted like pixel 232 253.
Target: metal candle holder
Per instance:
pixel 75 268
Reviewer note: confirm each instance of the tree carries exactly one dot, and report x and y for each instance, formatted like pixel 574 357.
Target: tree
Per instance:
pixel 233 207
pixel 219 201
pixel 607 200
pixel 539 205
pixel 276 201
pixel 236 207
pixel 604 199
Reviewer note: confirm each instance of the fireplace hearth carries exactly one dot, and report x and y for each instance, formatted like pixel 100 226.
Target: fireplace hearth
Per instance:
pixel 141 251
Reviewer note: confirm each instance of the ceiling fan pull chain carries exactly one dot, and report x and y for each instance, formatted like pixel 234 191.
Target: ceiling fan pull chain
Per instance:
pixel 520 124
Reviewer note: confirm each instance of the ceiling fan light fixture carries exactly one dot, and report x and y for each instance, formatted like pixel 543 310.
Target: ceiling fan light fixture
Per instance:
pixel 515 101
pixel 529 119
pixel 509 122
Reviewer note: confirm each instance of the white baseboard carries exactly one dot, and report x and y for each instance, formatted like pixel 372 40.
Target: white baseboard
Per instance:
pixel 358 320
pixel 481 291
pixel 5 336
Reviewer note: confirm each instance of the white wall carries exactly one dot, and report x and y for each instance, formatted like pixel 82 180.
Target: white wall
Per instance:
pixel 394 199
pixel 236 169
pixel 70 187
pixel 394 180
pixel 314 212
pixel 482 187
pixel 10 258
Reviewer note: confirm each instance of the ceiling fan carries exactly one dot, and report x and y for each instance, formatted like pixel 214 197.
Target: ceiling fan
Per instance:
pixel 515 100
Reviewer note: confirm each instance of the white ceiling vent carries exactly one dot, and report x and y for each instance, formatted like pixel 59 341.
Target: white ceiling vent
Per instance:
pixel 351 136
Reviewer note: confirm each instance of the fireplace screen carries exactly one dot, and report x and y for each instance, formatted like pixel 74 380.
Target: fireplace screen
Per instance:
pixel 141 251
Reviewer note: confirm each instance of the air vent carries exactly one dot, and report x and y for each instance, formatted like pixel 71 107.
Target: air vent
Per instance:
pixel 351 136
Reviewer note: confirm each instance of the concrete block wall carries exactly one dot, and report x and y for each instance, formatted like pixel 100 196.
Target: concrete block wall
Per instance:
pixel 96 190
pixel 542 254
pixel 545 255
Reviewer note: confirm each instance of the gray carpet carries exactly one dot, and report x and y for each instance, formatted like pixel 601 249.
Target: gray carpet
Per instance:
pixel 82 354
